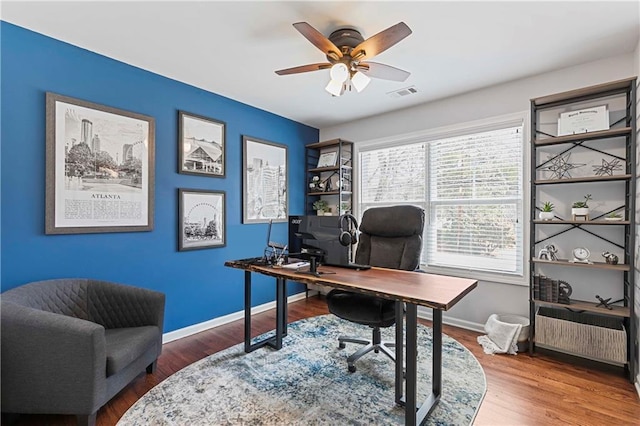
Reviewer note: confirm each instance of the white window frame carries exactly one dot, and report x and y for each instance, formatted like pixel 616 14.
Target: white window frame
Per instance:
pixel 477 126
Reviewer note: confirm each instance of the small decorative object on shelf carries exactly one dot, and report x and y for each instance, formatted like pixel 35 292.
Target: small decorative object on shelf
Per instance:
pixel 546 212
pixel 607 168
pixel 610 258
pixel 564 291
pixel 581 208
pixel 613 217
pixel 320 206
pixel 548 252
pixel 559 166
pixel 581 255
pixel 315 185
pixel 606 303
pixel 549 290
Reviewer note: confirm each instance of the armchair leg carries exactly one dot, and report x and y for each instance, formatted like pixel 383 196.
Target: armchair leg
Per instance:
pixel 86 420
pixel 151 368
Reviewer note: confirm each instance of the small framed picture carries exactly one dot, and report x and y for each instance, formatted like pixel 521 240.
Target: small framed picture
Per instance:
pixel 202 219
pixel 264 181
pixel 327 159
pixel 201 145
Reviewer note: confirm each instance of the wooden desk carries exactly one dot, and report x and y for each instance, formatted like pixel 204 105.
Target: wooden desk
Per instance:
pixel 414 289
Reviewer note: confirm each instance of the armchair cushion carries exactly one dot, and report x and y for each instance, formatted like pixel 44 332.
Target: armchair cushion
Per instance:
pixel 125 345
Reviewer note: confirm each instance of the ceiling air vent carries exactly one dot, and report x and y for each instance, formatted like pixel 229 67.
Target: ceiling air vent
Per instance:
pixel 403 92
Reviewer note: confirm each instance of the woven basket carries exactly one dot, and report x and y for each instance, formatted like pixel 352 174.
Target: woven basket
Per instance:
pixel 588 335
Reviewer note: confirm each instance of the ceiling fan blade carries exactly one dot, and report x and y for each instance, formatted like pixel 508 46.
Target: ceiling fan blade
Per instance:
pixel 385 72
pixel 317 39
pixel 380 42
pixel 304 68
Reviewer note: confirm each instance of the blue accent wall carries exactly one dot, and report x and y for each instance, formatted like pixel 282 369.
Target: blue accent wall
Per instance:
pixel 197 285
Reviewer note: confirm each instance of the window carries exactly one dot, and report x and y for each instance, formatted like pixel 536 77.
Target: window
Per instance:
pixel 470 184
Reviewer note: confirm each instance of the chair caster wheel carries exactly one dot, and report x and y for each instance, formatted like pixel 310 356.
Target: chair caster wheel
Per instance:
pixel 352 369
pixel 341 345
pixel 376 351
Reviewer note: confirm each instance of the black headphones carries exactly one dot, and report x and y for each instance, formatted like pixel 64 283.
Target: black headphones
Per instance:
pixel 349 236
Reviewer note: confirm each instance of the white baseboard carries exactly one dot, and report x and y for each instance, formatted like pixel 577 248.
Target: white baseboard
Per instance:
pixel 424 313
pixel 427 313
pixel 203 326
pixel 637 383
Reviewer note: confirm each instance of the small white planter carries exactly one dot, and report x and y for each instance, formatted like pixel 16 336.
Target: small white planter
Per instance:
pixel 575 212
pixel 546 215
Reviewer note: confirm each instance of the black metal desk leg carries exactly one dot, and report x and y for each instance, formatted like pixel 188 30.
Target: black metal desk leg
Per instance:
pixel 247 311
pixel 399 352
pixel 410 409
pixel 280 311
pixel 286 307
pixel 413 414
pixel 436 380
pixel 281 316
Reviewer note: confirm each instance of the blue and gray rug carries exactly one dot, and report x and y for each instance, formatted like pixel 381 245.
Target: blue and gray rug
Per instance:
pixel 307 383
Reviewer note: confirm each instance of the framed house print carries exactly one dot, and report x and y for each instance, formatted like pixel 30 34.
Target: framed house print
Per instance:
pixel 201 145
pixel 202 219
pixel 264 181
pixel 99 168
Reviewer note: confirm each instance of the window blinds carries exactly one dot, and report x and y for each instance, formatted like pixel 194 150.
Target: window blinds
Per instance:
pixel 471 188
pixel 475 184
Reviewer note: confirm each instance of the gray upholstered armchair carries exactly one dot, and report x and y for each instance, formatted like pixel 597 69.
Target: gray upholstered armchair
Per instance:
pixel 390 237
pixel 69 345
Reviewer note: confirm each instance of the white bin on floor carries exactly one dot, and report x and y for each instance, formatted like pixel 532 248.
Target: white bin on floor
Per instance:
pixel 523 337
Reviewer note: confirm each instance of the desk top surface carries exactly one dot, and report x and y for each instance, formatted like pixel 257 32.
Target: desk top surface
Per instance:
pixel 435 291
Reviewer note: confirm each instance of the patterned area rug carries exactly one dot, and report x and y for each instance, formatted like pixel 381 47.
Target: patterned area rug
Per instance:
pixel 307 383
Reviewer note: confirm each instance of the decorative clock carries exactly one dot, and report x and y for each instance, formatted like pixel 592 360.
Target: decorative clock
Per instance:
pixel 581 255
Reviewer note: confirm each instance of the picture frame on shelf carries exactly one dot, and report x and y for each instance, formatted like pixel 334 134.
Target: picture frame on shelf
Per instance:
pixel 327 159
pixel 201 145
pixel 584 120
pixel 202 219
pixel 265 194
pixel 100 168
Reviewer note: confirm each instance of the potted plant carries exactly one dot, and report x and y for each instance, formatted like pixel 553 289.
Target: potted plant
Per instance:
pixel 320 206
pixel 613 216
pixel 581 208
pixel 546 213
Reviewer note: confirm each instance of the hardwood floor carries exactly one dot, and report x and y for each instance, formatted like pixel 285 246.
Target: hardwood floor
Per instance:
pixel 521 390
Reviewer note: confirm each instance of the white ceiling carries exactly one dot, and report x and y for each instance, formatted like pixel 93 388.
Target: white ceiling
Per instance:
pixel 233 48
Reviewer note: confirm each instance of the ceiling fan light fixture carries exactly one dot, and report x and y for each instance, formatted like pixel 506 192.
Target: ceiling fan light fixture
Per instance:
pixel 339 72
pixel 334 87
pixel 360 81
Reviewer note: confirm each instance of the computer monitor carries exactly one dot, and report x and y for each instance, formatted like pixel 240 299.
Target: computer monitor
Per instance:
pixel 317 236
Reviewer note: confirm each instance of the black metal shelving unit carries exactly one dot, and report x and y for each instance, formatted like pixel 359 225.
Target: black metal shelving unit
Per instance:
pixel 623 126
pixel 338 178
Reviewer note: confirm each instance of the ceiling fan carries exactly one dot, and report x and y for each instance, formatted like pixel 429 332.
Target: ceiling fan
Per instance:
pixel 346 50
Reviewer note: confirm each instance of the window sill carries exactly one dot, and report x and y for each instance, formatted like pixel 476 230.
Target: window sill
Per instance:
pixel 477 275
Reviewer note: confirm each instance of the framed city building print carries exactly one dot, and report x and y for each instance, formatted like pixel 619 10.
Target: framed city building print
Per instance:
pixel 202 219
pixel 201 145
pixel 265 194
pixel 100 164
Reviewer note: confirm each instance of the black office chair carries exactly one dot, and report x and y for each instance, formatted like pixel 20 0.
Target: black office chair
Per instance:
pixel 390 237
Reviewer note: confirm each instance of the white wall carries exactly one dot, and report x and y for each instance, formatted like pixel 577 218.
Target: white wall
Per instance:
pixel 507 98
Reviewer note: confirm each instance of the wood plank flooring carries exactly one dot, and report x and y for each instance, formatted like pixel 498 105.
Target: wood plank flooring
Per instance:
pixel 521 390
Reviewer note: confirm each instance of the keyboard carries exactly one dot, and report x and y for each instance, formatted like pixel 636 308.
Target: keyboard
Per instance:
pixel 253 261
pixel 356 266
